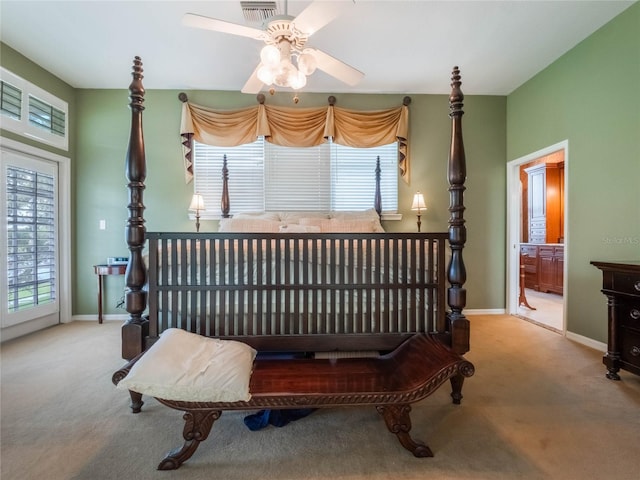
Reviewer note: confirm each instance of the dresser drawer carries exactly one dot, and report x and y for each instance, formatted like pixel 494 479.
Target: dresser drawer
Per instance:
pixel 530 251
pixel 538 236
pixel 629 314
pixel 546 251
pixel 630 346
pixel 626 283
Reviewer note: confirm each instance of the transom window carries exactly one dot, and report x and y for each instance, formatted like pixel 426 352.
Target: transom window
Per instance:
pixel 28 110
pixel 268 177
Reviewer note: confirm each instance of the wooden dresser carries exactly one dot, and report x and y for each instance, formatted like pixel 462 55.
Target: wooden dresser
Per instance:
pixel 621 285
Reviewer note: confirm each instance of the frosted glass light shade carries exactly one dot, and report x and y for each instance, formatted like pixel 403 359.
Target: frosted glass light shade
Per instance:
pixel 266 74
pixel 286 74
pixel 307 63
pixel 298 81
pixel 270 55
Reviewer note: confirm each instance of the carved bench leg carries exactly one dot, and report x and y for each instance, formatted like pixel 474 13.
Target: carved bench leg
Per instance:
pixel 136 401
pixel 197 426
pixel 456 388
pixel 398 421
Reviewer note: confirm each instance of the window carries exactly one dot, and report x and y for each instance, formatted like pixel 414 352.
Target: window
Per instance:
pixel 30 111
pixel 263 176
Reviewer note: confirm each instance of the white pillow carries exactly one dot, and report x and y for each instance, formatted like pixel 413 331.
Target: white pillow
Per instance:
pixel 273 216
pixel 338 225
pixel 248 225
pixel 193 368
pixel 296 228
pixel 294 217
pixel 369 214
pixel 313 222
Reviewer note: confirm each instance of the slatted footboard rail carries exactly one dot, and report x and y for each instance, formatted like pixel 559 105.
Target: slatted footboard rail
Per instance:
pixel 321 291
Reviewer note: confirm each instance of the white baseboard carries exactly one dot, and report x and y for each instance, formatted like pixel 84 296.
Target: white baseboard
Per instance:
pixel 120 317
pixel 484 311
pixel 21 329
pixel 587 342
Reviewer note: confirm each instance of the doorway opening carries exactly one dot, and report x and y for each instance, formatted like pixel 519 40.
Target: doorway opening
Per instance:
pixel 536 228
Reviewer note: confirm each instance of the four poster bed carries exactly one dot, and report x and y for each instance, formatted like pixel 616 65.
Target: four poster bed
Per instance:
pixel 306 316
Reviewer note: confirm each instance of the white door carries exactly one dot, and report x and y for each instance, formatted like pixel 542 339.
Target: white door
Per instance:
pixel 30 286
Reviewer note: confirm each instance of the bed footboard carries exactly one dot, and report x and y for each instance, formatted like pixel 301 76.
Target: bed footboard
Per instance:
pixel 323 292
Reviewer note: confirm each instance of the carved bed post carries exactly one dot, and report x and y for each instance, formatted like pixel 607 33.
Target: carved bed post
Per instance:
pixel 224 202
pixel 377 199
pixel 457 274
pixel 136 328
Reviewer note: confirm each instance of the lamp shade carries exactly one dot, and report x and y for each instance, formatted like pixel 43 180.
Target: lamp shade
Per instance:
pixel 418 202
pixel 197 202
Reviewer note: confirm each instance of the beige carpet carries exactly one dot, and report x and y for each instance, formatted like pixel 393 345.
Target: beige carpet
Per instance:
pixel 539 407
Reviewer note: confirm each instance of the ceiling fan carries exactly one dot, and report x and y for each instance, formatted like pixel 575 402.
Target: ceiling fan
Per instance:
pixel 286 60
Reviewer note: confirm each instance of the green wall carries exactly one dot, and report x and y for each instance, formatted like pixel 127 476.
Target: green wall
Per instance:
pixel 590 97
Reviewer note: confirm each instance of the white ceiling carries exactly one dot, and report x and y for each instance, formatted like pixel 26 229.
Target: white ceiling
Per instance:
pixel 401 46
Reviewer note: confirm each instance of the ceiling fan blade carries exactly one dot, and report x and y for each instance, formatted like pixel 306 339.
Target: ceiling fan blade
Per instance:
pixel 318 14
pixel 254 84
pixel 208 23
pixel 336 68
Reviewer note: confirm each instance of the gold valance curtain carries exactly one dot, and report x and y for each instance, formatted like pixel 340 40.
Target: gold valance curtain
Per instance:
pixel 295 127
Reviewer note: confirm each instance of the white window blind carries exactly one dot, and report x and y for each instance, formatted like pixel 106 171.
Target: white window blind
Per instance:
pixel 31 238
pixel 10 100
pixel 297 178
pixel 353 177
pixel 263 176
pixel 246 183
pixel 46 117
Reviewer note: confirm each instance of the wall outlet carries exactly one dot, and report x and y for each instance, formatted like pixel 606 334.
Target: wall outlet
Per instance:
pixel 103 224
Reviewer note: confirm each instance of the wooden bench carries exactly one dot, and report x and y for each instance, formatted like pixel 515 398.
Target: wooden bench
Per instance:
pixel 389 382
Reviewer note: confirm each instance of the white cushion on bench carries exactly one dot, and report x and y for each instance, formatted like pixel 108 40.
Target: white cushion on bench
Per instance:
pixel 192 368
